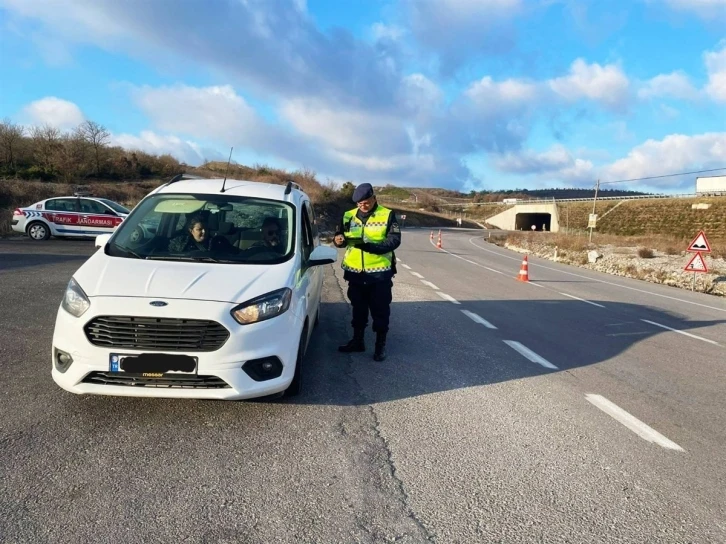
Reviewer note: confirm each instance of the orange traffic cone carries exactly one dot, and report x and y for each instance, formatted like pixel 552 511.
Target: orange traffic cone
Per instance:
pixel 523 271
pixel 438 244
pixel 432 235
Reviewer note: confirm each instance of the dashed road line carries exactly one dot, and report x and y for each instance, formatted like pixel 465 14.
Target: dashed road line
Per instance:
pixel 529 354
pixel 447 297
pixel 429 284
pixel 471 241
pixel 631 422
pixel 582 300
pixel 682 332
pixel 405 266
pixel 470 262
pixel 417 275
pixel 478 319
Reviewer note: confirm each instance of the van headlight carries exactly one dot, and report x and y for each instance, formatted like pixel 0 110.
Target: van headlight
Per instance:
pixel 263 307
pixel 75 301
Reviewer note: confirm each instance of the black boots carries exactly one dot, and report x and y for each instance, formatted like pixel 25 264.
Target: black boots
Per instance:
pixel 356 344
pixel 380 353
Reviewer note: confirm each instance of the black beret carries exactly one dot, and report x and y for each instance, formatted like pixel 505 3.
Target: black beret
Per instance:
pixel 363 191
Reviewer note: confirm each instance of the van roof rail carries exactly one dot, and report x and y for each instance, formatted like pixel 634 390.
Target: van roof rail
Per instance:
pixel 290 186
pixel 180 177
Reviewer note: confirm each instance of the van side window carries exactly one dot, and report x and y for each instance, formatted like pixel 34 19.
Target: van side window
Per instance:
pixel 307 235
pixel 313 219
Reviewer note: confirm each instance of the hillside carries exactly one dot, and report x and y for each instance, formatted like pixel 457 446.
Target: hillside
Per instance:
pixel 330 202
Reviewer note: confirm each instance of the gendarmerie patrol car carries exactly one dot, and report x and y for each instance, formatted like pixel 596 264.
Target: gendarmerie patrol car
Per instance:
pixel 74 216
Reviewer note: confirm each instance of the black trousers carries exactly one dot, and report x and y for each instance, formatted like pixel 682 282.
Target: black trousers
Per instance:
pixel 374 298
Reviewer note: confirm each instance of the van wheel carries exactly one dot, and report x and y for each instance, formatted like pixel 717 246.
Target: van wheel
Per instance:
pixel 38 231
pixel 296 383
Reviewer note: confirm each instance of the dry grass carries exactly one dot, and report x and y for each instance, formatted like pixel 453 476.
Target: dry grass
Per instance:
pixel 645 253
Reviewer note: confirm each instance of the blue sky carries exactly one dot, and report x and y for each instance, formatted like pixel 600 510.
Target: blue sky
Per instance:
pixel 462 94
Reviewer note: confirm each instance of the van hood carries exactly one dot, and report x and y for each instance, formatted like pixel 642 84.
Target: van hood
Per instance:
pixel 105 276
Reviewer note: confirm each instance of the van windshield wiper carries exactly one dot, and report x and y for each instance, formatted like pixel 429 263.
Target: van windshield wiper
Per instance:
pixel 188 259
pixel 129 251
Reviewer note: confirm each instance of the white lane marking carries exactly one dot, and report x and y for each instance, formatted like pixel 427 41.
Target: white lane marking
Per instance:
pixel 628 333
pixel 631 422
pixel 471 262
pixel 600 281
pixel 405 266
pixel 478 319
pixel 537 284
pixel 447 297
pixel 681 332
pixel 417 275
pixel 529 354
pixel 582 300
pixel 428 283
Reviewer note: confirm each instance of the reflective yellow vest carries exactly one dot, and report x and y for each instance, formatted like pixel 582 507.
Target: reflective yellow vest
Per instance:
pixel 357 260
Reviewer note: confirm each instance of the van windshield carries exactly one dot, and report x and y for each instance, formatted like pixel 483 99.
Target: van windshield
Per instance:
pixel 214 228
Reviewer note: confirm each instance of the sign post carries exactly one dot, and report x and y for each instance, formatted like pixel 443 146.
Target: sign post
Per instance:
pixel 697 264
pixel 403 220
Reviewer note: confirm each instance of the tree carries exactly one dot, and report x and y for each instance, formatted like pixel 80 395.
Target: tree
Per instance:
pixel 347 190
pixel 10 137
pixel 46 145
pixel 97 137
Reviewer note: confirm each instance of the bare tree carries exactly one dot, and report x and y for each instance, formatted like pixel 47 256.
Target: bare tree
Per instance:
pixel 97 137
pixel 46 144
pixel 72 157
pixel 10 137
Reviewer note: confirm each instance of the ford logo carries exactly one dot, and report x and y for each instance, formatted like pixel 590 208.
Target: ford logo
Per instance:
pixel 157 303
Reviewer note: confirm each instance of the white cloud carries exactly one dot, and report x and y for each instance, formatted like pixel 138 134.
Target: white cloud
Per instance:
pixel 345 129
pixel 674 85
pixel 457 29
pixel 55 112
pixel 607 84
pixel 713 10
pixel 716 66
pixel 494 97
pixel 383 31
pixel 157 144
pixel 556 161
pixel 673 154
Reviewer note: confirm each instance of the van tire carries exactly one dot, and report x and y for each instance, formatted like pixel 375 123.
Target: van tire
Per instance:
pixel 296 383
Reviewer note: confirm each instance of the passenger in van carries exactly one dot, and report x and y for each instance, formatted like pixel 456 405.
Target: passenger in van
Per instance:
pixel 194 238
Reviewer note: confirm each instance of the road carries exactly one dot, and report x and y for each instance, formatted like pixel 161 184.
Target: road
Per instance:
pixel 578 407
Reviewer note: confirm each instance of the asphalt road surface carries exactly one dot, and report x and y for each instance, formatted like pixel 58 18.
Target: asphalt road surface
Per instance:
pixel 578 407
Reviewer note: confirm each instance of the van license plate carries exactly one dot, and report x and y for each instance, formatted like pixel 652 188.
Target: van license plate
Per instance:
pixel 153 363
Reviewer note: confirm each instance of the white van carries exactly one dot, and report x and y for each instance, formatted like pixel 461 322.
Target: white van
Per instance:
pixel 209 289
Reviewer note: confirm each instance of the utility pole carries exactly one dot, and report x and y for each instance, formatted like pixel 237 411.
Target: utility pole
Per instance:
pixel 594 200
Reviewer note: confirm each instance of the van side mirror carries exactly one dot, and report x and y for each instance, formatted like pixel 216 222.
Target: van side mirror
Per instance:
pixel 102 240
pixel 323 255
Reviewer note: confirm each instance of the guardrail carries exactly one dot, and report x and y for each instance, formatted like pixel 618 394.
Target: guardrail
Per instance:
pixel 589 199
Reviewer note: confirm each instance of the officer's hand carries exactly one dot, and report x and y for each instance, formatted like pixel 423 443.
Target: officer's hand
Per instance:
pixel 339 239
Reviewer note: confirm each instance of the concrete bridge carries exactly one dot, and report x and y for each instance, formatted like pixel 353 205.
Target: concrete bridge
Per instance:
pixel 523 216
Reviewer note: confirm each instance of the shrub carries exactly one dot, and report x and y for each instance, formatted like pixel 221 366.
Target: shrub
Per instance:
pixel 645 253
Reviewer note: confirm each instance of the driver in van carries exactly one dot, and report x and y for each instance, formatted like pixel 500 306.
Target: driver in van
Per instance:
pixel 271 237
pixel 194 238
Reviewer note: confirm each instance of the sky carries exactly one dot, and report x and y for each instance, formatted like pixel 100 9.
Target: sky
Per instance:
pixel 458 94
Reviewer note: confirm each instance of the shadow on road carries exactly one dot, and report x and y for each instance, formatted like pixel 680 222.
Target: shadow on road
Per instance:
pixel 14 261
pixel 434 347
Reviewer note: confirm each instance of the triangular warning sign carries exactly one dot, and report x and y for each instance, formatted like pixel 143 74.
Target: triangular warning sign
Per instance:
pixel 697 264
pixel 700 243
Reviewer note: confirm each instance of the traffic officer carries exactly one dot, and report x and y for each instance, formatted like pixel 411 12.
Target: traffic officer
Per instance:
pixel 371 233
